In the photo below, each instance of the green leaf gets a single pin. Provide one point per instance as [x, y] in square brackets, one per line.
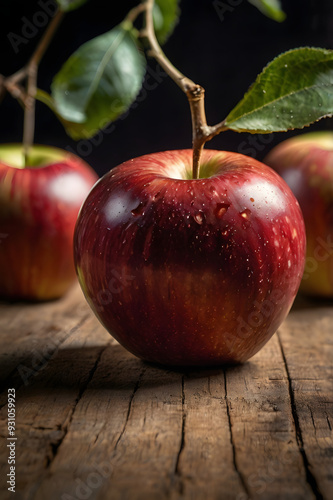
[294, 90]
[98, 82]
[45, 98]
[271, 8]
[67, 5]
[166, 14]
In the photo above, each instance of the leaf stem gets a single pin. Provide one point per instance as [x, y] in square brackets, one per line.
[201, 132]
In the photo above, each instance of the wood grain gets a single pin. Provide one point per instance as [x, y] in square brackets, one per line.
[94, 422]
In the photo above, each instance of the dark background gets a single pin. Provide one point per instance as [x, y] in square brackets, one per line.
[223, 55]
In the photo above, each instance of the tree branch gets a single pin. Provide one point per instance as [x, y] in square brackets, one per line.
[29, 72]
[156, 52]
[135, 12]
[3, 89]
[201, 132]
[46, 39]
[29, 111]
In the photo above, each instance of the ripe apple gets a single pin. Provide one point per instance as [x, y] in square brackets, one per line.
[39, 205]
[186, 271]
[306, 164]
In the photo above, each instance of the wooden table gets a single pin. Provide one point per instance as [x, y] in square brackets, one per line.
[94, 422]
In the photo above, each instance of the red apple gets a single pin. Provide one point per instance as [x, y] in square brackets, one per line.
[39, 205]
[306, 164]
[190, 272]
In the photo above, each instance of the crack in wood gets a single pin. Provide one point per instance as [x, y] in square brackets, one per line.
[177, 471]
[312, 419]
[299, 437]
[65, 428]
[10, 380]
[233, 446]
[135, 389]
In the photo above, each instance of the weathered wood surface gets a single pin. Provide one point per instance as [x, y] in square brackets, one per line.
[94, 422]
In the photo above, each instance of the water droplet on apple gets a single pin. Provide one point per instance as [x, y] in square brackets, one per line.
[199, 217]
[246, 214]
[221, 209]
[212, 190]
[139, 210]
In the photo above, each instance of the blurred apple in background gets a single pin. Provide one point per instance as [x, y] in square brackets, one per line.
[306, 163]
[39, 204]
[185, 271]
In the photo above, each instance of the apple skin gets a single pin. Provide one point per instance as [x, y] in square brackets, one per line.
[187, 272]
[38, 211]
[306, 164]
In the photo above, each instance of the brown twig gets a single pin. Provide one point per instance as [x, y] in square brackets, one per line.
[3, 89]
[28, 73]
[135, 12]
[31, 74]
[46, 39]
[201, 132]
[29, 111]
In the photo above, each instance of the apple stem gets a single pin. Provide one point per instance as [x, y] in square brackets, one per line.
[201, 132]
[196, 99]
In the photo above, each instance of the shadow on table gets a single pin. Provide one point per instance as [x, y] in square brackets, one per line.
[102, 367]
